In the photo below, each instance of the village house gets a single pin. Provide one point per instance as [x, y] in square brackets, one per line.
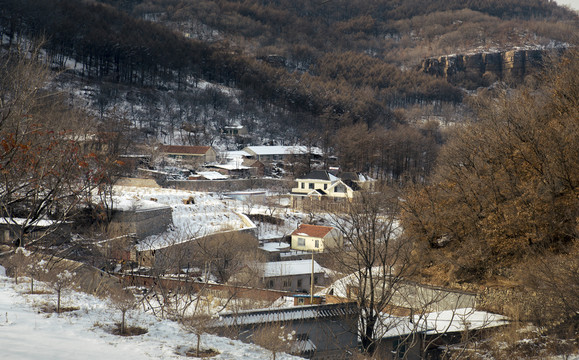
[49, 230]
[280, 153]
[315, 238]
[318, 331]
[202, 154]
[320, 186]
[292, 275]
[231, 170]
[234, 130]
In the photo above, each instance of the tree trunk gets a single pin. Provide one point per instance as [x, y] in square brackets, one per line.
[198, 343]
[58, 301]
[123, 323]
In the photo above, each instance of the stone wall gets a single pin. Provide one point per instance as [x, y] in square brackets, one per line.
[231, 185]
[142, 222]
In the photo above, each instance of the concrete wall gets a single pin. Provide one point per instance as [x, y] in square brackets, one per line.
[142, 223]
[231, 185]
[181, 255]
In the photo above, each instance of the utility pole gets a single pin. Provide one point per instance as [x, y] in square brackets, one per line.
[312, 281]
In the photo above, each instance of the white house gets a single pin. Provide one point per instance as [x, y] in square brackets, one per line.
[321, 185]
[315, 238]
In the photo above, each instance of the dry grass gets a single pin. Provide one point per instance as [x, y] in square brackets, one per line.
[192, 352]
[129, 330]
[49, 309]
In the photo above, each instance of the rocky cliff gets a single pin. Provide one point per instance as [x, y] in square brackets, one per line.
[514, 64]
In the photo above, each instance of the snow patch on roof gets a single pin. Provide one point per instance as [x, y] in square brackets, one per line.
[292, 267]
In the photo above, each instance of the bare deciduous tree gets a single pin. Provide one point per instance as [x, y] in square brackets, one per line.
[274, 337]
[124, 301]
[375, 257]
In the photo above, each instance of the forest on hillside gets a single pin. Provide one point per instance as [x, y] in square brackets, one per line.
[340, 75]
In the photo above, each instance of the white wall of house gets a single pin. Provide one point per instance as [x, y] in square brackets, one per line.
[309, 243]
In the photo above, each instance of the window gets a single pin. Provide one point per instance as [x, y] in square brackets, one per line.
[301, 242]
[287, 283]
[315, 280]
[303, 185]
[317, 245]
[311, 185]
[299, 287]
[302, 337]
[270, 284]
[325, 186]
[301, 301]
[399, 348]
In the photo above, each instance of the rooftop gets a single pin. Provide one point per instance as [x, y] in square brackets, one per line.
[312, 230]
[292, 267]
[320, 175]
[283, 150]
[287, 314]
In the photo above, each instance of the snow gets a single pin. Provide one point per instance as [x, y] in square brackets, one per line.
[208, 215]
[212, 175]
[292, 267]
[448, 321]
[274, 246]
[283, 150]
[22, 221]
[28, 334]
[460, 319]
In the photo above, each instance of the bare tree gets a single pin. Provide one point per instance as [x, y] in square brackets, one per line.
[124, 301]
[375, 257]
[59, 280]
[45, 168]
[274, 337]
[227, 253]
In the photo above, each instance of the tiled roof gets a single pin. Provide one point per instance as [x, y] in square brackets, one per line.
[312, 230]
[317, 175]
[287, 314]
[184, 149]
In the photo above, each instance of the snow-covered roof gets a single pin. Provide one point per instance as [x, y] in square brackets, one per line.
[292, 267]
[234, 155]
[448, 321]
[458, 320]
[408, 294]
[283, 150]
[274, 246]
[212, 175]
[231, 166]
[22, 221]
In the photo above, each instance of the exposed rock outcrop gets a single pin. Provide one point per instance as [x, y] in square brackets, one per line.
[514, 64]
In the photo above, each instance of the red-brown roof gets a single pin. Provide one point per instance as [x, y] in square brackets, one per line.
[312, 230]
[184, 149]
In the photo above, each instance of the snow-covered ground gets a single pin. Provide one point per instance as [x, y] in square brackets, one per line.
[207, 214]
[28, 334]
